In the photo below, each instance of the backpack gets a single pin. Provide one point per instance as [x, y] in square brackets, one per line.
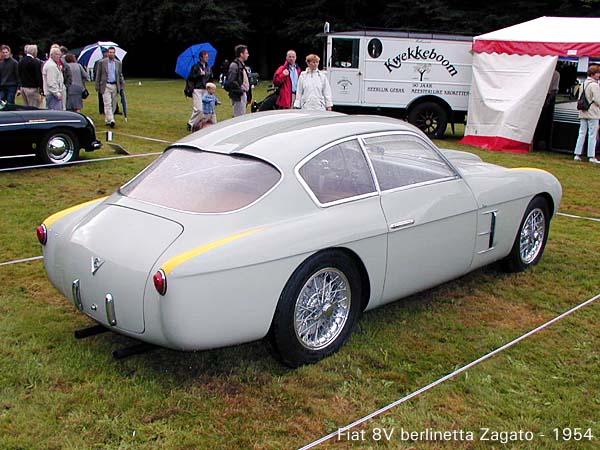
[234, 86]
[583, 104]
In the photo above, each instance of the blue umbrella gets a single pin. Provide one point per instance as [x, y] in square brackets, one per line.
[189, 57]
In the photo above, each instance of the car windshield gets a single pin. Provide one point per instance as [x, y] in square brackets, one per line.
[203, 182]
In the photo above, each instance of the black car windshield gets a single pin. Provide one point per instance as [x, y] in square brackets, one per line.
[202, 182]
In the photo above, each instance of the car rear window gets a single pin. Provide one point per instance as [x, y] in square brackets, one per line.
[203, 182]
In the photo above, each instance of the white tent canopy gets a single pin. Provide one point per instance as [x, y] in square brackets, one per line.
[512, 70]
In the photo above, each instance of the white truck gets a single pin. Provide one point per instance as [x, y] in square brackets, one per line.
[425, 78]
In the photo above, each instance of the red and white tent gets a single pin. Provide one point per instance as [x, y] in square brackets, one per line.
[512, 70]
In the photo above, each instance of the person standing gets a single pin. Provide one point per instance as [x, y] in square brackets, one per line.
[9, 76]
[238, 83]
[286, 79]
[65, 71]
[54, 84]
[109, 82]
[95, 76]
[200, 74]
[30, 74]
[78, 78]
[588, 120]
[314, 91]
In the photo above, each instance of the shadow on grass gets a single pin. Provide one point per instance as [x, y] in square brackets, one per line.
[256, 361]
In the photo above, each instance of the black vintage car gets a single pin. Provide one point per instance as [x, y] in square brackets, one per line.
[54, 136]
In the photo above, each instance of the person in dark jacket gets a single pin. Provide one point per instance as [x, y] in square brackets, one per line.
[238, 82]
[200, 74]
[9, 76]
[286, 79]
[30, 74]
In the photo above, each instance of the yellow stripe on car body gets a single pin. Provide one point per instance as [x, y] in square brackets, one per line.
[49, 221]
[172, 263]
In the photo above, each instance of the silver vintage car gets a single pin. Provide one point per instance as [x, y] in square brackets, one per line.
[289, 224]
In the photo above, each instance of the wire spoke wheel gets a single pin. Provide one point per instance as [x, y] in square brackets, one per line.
[530, 241]
[322, 308]
[317, 309]
[532, 236]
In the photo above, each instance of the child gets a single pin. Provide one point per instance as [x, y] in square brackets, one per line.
[209, 102]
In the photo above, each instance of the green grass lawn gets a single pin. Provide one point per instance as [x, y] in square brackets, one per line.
[59, 393]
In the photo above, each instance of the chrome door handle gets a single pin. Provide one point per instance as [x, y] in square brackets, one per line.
[402, 224]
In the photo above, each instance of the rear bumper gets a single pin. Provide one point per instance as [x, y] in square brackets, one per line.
[94, 145]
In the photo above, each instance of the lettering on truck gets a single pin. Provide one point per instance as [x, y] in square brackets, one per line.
[420, 54]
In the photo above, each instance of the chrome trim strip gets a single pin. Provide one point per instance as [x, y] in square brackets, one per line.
[486, 250]
[492, 230]
[396, 226]
[76, 290]
[363, 146]
[111, 317]
[38, 122]
[29, 155]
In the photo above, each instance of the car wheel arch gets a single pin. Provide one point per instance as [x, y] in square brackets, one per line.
[338, 257]
[353, 257]
[513, 262]
[549, 202]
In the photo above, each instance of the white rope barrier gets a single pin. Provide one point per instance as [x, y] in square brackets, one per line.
[578, 217]
[80, 161]
[143, 137]
[17, 261]
[449, 376]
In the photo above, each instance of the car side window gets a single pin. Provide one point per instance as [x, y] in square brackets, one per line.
[401, 160]
[337, 173]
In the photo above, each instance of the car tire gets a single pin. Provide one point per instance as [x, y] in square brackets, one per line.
[531, 237]
[430, 118]
[58, 147]
[317, 309]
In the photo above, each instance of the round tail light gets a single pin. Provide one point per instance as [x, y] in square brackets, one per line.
[42, 234]
[160, 282]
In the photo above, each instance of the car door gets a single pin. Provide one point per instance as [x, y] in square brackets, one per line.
[344, 71]
[430, 211]
[12, 134]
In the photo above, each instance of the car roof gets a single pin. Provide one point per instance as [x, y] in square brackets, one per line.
[287, 136]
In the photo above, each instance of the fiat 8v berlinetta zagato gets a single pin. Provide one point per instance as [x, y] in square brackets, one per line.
[289, 224]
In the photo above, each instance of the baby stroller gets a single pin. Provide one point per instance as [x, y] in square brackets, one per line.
[268, 103]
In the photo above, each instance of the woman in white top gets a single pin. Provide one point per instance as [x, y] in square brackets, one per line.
[588, 120]
[313, 91]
